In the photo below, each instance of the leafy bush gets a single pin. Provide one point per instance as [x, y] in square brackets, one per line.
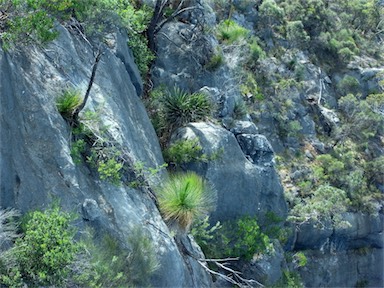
[110, 170]
[215, 62]
[229, 32]
[204, 233]
[112, 266]
[297, 34]
[256, 52]
[184, 151]
[27, 22]
[348, 85]
[68, 102]
[326, 204]
[244, 238]
[180, 108]
[241, 238]
[184, 198]
[47, 249]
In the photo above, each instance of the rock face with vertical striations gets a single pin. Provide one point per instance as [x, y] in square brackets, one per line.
[35, 163]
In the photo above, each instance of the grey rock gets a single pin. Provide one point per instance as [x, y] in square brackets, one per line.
[243, 188]
[35, 163]
[243, 127]
[344, 269]
[194, 52]
[91, 210]
[256, 147]
[268, 269]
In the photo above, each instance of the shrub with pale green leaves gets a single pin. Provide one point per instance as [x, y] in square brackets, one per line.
[44, 254]
[185, 151]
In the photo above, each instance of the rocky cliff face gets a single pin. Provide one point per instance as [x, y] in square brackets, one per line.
[36, 166]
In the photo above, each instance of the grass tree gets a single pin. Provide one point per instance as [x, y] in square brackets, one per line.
[184, 198]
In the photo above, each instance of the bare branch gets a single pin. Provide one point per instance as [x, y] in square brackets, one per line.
[90, 83]
[173, 16]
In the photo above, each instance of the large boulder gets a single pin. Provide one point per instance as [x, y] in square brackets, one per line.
[244, 186]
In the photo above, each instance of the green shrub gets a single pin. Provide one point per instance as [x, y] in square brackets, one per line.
[180, 108]
[240, 110]
[110, 170]
[204, 233]
[348, 85]
[184, 151]
[230, 32]
[289, 280]
[111, 265]
[77, 149]
[243, 238]
[326, 204]
[215, 62]
[47, 249]
[297, 34]
[68, 102]
[184, 198]
[256, 52]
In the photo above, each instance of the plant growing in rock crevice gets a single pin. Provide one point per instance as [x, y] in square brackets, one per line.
[184, 198]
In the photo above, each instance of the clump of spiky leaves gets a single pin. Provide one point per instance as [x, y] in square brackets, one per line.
[185, 197]
[68, 102]
[229, 31]
[180, 107]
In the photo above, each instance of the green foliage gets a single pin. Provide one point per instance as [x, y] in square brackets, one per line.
[110, 170]
[185, 151]
[112, 266]
[299, 259]
[240, 110]
[28, 22]
[68, 102]
[204, 233]
[229, 32]
[9, 271]
[184, 198]
[256, 52]
[241, 238]
[77, 149]
[290, 280]
[179, 107]
[144, 174]
[215, 62]
[348, 85]
[250, 89]
[271, 14]
[47, 249]
[326, 204]
[296, 34]
[142, 54]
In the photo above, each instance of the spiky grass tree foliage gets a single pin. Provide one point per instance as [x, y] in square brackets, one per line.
[68, 102]
[185, 197]
[180, 107]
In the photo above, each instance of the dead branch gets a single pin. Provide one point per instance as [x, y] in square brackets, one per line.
[90, 83]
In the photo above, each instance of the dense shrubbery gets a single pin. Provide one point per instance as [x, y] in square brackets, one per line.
[241, 238]
[46, 254]
[33, 22]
